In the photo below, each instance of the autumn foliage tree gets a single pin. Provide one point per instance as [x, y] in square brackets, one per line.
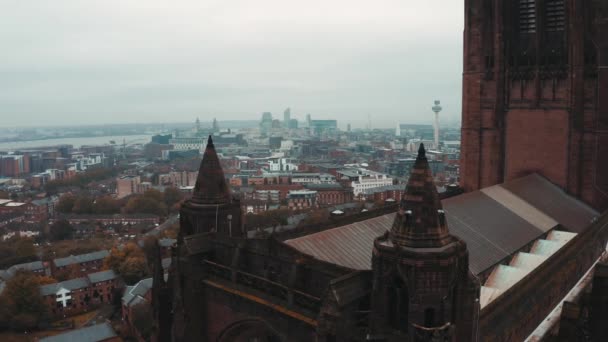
[16, 250]
[128, 261]
[106, 205]
[65, 203]
[21, 305]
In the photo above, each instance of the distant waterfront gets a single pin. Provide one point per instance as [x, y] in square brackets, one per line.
[76, 142]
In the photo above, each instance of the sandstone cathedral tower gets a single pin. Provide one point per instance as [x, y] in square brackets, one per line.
[535, 94]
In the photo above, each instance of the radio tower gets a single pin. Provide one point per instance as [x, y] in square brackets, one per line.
[436, 109]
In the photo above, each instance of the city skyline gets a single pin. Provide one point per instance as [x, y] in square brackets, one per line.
[128, 63]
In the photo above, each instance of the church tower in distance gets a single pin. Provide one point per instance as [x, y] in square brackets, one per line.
[422, 286]
[535, 94]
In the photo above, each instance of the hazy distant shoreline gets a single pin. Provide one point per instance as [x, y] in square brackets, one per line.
[75, 141]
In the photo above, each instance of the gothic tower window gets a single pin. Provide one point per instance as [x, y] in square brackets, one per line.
[527, 16]
[555, 11]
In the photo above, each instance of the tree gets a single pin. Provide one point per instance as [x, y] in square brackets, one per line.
[172, 196]
[130, 262]
[24, 247]
[61, 230]
[133, 269]
[83, 205]
[171, 232]
[66, 203]
[106, 205]
[145, 205]
[23, 306]
[114, 260]
[154, 194]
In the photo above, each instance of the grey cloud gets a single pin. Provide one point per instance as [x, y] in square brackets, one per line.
[131, 61]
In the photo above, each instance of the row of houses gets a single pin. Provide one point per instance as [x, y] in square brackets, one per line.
[76, 265]
[81, 294]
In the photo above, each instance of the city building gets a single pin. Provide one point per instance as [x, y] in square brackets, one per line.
[127, 185]
[112, 219]
[12, 165]
[188, 143]
[302, 199]
[384, 193]
[319, 127]
[161, 139]
[40, 210]
[138, 294]
[266, 123]
[282, 164]
[80, 265]
[36, 267]
[266, 196]
[312, 178]
[361, 179]
[535, 95]
[177, 178]
[286, 118]
[79, 295]
[329, 194]
[402, 167]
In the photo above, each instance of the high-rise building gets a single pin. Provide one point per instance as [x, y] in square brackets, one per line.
[12, 165]
[266, 123]
[216, 126]
[535, 94]
[286, 117]
[323, 126]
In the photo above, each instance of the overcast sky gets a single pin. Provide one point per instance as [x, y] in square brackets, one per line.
[124, 61]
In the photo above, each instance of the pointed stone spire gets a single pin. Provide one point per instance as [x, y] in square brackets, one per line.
[211, 186]
[420, 222]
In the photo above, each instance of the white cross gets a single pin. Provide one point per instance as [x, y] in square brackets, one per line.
[63, 296]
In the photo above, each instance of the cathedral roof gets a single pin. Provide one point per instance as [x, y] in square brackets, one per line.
[211, 186]
[420, 221]
[495, 223]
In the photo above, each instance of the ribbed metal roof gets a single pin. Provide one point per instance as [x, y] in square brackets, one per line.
[571, 213]
[494, 227]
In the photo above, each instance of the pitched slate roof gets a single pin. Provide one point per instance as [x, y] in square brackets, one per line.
[72, 284]
[76, 259]
[94, 333]
[102, 276]
[135, 294]
[29, 266]
[494, 224]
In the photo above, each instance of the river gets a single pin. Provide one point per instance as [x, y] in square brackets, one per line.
[76, 142]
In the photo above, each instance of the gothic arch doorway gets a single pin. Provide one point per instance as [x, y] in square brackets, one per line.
[250, 330]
